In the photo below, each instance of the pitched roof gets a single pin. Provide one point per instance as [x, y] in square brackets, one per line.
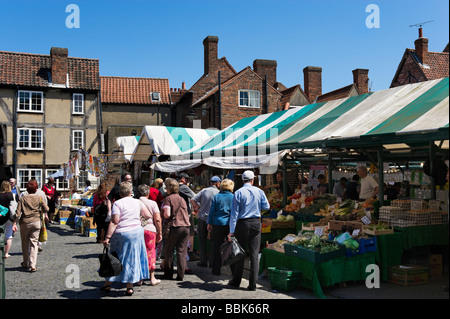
[33, 70]
[288, 93]
[340, 93]
[229, 81]
[437, 65]
[129, 90]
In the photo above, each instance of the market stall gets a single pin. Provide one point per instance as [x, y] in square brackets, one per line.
[394, 126]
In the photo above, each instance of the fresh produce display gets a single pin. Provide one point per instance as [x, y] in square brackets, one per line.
[315, 243]
[282, 218]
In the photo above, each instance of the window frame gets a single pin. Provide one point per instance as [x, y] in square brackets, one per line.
[73, 140]
[29, 147]
[155, 100]
[59, 183]
[30, 176]
[30, 101]
[74, 101]
[249, 99]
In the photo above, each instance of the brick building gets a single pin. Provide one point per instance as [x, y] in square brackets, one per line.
[49, 108]
[223, 96]
[419, 64]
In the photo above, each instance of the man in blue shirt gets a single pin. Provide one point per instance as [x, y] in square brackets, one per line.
[245, 225]
[202, 204]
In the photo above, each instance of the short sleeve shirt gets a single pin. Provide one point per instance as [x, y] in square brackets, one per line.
[129, 211]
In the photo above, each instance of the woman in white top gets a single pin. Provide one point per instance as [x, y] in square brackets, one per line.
[152, 230]
[126, 237]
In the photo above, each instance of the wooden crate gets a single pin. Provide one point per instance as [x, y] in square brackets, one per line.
[368, 231]
[408, 275]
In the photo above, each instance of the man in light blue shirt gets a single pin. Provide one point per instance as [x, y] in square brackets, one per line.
[245, 225]
[202, 204]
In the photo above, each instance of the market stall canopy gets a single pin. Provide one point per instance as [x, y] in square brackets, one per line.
[411, 113]
[266, 163]
[127, 144]
[165, 140]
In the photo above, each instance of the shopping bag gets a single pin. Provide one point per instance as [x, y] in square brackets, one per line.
[43, 233]
[4, 215]
[231, 252]
[110, 264]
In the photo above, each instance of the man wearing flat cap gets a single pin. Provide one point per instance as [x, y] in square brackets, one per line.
[245, 225]
[202, 203]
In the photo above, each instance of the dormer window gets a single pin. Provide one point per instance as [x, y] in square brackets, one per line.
[155, 96]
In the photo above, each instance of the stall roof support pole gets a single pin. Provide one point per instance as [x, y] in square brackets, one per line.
[380, 176]
[330, 174]
[432, 168]
[284, 181]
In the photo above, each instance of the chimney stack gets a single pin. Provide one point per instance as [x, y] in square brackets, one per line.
[266, 67]
[361, 80]
[422, 48]
[210, 53]
[58, 60]
[313, 82]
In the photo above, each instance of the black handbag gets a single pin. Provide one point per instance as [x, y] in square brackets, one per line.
[231, 252]
[110, 264]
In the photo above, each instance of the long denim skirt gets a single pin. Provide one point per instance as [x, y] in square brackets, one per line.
[130, 248]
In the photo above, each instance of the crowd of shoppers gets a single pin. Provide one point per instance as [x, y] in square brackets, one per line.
[134, 221]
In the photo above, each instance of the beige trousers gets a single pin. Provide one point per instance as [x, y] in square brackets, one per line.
[29, 235]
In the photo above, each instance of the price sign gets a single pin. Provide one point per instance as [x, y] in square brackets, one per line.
[416, 204]
[356, 232]
[318, 231]
[294, 201]
[303, 205]
[366, 220]
[434, 204]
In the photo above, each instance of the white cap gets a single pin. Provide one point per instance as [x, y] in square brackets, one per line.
[248, 175]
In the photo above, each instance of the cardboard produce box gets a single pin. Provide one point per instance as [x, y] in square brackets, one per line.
[408, 275]
[273, 223]
[64, 216]
[435, 265]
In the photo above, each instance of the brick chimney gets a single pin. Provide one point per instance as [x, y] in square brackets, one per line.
[210, 47]
[313, 82]
[58, 59]
[266, 67]
[422, 48]
[361, 80]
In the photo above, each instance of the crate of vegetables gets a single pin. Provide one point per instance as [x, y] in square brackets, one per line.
[314, 249]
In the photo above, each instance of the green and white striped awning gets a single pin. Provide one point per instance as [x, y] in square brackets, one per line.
[419, 112]
[165, 140]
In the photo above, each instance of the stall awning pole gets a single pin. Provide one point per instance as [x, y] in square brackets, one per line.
[284, 181]
[380, 176]
[432, 168]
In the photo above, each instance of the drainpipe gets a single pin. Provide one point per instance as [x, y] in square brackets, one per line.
[220, 103]
[15, 133]
[266, 95]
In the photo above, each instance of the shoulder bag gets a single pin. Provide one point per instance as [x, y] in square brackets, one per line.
[110, 264]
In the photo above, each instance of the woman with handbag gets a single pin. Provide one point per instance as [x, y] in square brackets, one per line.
[102, 214]
[219, 220]
[176, 234]
[28, 213]
[152, 230]
[7, 197]
[125, 236]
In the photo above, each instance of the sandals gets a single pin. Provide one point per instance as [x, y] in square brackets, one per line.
[33, 269]
[129, 292]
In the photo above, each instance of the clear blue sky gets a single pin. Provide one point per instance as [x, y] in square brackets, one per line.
[163, 38]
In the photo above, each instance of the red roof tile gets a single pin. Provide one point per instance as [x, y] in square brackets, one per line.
[128, 90]
[33, 70]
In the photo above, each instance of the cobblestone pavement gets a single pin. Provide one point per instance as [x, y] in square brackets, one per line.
[67, 253]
